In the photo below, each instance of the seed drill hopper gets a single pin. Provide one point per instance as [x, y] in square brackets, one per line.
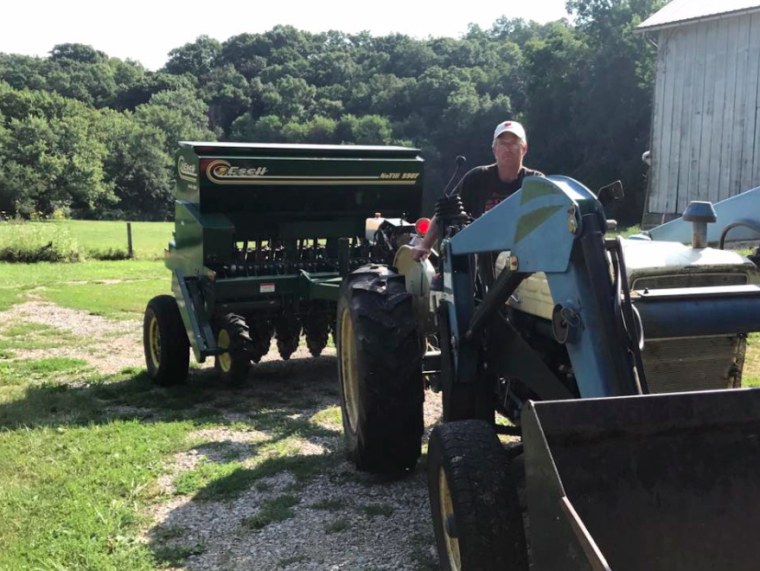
[263, 234]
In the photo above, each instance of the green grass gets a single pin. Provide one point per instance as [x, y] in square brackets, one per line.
[272, 511]
[373, 510]
[110, 288]
[71, 495]
[78, 476]
[22, 242]
[293, 560]
[329, 418]
[148, 238]
[337, 525]
[29, 336]
[212, 481]
[751, 376]
[329, 505]
[173, 555]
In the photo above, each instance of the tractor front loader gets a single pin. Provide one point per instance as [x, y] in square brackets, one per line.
[592, 412]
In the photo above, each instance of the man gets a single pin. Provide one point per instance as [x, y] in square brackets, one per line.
[484, 187]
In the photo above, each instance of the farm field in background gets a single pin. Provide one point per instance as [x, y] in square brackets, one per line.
[94, 237]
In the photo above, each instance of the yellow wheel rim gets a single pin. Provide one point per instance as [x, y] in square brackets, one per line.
[447, 514]
[154, 342]
[225, 359]
[348, 368]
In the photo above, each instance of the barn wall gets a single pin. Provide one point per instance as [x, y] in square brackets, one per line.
[706, 121]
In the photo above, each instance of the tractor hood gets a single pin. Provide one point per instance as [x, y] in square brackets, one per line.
[645, 255]
[672, 264]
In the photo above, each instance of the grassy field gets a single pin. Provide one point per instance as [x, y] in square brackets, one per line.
[113, 289]
[95, 239]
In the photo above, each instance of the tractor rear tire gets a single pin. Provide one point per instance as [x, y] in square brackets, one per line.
[380, 371]
[233, 335]
[167, 349]
[477, 516]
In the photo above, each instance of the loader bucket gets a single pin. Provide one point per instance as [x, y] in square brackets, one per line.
[666, 482]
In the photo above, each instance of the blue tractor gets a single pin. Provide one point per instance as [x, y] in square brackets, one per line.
[592, 410]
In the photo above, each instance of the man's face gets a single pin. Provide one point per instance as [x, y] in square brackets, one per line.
[509, 150]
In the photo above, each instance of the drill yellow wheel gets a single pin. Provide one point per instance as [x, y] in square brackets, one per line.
[167, 349]
[234, 339]
[225, 361]
[154, 342]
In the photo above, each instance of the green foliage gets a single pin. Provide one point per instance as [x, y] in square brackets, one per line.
[95, 136]
[374, 510]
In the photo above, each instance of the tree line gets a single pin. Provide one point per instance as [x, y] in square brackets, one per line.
[93, 136]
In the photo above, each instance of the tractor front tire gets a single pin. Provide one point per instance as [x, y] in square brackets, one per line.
[167, 349]
[233, 336]
[474, 500]
[380, 371]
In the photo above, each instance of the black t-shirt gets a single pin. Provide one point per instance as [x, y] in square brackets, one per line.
[481, 188]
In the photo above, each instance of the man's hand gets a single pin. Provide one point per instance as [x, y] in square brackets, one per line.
[420, 252]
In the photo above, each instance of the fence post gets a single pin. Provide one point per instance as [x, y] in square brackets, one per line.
[130, 252]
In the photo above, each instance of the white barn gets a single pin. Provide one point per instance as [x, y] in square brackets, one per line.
[705, 140]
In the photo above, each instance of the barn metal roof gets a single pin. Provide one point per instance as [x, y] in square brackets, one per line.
[680, 12]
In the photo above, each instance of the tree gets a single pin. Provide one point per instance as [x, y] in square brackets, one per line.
[50, 160]
[366, 130]
[179, 114]
[197, 58]
[139, 166]
[79, 53]
[227, 93]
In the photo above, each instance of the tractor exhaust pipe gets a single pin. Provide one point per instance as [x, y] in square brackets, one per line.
[700, 214]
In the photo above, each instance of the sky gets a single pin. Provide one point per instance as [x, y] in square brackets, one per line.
[146, 31]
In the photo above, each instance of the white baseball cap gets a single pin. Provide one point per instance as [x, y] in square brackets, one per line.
[510, 127]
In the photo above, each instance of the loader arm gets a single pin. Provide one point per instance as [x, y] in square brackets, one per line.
[553, 225]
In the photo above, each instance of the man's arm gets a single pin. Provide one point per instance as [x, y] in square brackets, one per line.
[422, 250]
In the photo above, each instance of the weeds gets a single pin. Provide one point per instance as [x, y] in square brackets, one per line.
[272, 511]
[337, 525]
